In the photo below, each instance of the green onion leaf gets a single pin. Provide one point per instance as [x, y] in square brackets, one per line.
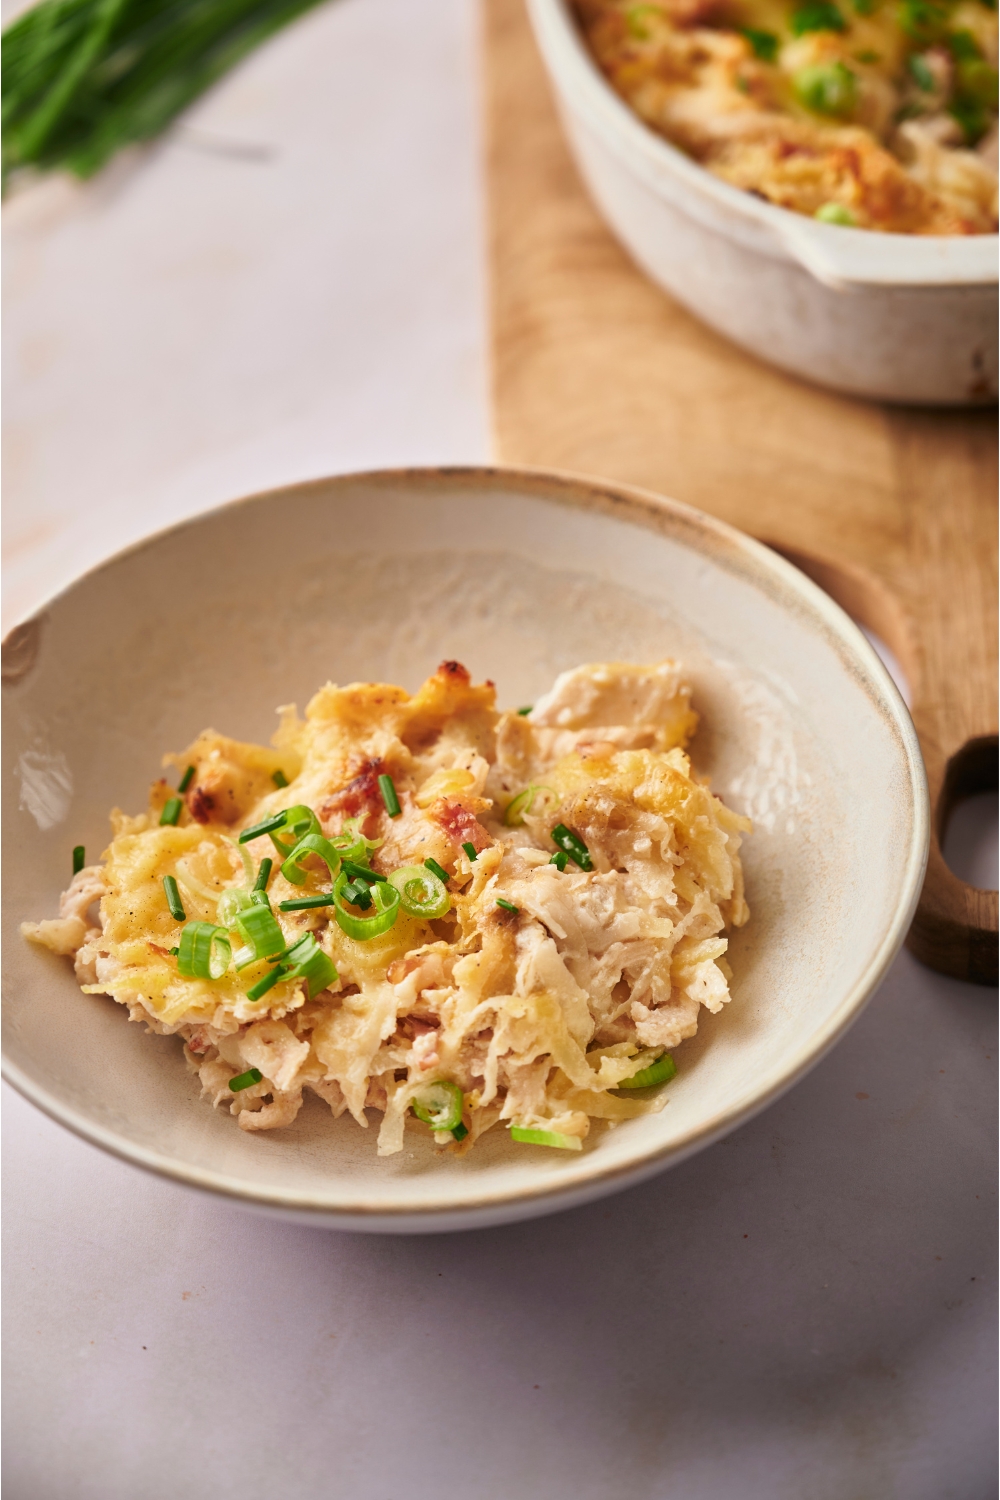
[817, 15]
[174, 899]
[205, 951]
[245, 1080]
[310, 963]
[303, 903]
[421, 893]
[387, 787]
[263, 874]
[437, 870]
[313, 843]
[460, 1132]
[268, 826]
[79, 858]
[921, 73]
[507, 905]
[470, 850]
[230, 904]
[532, 1137]
[171, 812]
[258, 927]
[835, 213]
[175, 951]
[361, 872]
[439, 1105]
[826, 89]
[260, 898]
[560, 859]
[527, 710]
[186, 780]
[519, 807]
[299, 821]
[764, 43]
[270, 979]
[280, 779]
[358, 894]
[385, 899]
[572, 845]
[660, 1071]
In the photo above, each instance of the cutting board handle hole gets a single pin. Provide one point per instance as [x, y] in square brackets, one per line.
[966, 813]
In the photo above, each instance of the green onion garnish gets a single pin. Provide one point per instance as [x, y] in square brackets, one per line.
[245, 1080]
[383, 896]
[764, 43]
[470, 850]
[387, 787]
[527, 710]
[270, 979]
[269, 825]
[175, 951]
[263, 874]
[560, 859]
[358, 894]
[174, 899]
[817, 15]
[258, 927]
[660, 1071]
[313, 843]
[171, 812]
[521, 805]
[532, 1137]
[507, 905]
[460, 1132]
[205, 951]
[361, 872]
[280, 779]
[439, 1105]
[436, 869]
[186, 780]
[311, 964]
[573, 845]
[303, 903]
[230, 904]
[79, 858]
[421, 893]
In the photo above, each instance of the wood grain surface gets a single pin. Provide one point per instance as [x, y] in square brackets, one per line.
[892, 510]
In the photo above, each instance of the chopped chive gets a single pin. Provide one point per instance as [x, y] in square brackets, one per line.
[270, 979]
[302, 903]
[79, 858]
[436, 869]
[174, 899]
[358, 894]
[175, 951]
[470, 850]
[186, 779]
[171, 812]
[460, 1132]
[361, 872]
[560, 859]
[387, 787]
[245, 1080]
[573, 845]
[523, 711]
[263, 874]
[280, 779]
[269, 825]
[507, 905]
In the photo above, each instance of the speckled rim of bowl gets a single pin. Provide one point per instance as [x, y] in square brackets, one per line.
[740, 554]
[837, 256]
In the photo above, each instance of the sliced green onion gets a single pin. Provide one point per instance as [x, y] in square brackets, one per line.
[763, 43]
[385, 898]
[174, 901]
[835, 213]
[171, 812]
[527, 710]
[660, 1071]
[186, 780]
[351, 829]
[280, 779]
[79, 858]
[439, 1105]
[175, 951]
[270, 979]
[560, 859]
[258, 927]
[507, 905]
[361, 872]
[268, 825]
[572, 845]
[519, 806]
[313, 843]
[311, 964]
[921, 73]
[260, 898]
[263, 874]
[460, 1132]
[230, 904]
[532, 1137]
[303, 903]
[421, 893]
[299, 821]
[358, 894]
[470, 850]
[388, 789]
[436, 869]
[817, 15]
[826, 89]
[205, 951]
[245, 1080]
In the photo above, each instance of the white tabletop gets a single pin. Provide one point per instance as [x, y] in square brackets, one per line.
[293, 284]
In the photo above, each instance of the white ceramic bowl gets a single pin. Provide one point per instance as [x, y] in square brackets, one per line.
[898, 317]
[520, 576]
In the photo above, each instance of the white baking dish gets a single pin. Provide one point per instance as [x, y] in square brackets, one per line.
[898, 317]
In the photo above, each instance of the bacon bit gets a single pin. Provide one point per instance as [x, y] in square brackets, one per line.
[401, 967]
[454, 669]
[201, 804]
[164, 952]
[461, 826]
[360, 795]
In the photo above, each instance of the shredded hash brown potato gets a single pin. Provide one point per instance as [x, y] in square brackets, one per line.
[876, 114]
[537, 1015]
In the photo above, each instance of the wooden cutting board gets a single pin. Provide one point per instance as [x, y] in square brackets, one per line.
[892, 510]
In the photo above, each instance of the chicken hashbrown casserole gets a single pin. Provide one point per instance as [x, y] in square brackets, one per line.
[877, 114]
[426, 907]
